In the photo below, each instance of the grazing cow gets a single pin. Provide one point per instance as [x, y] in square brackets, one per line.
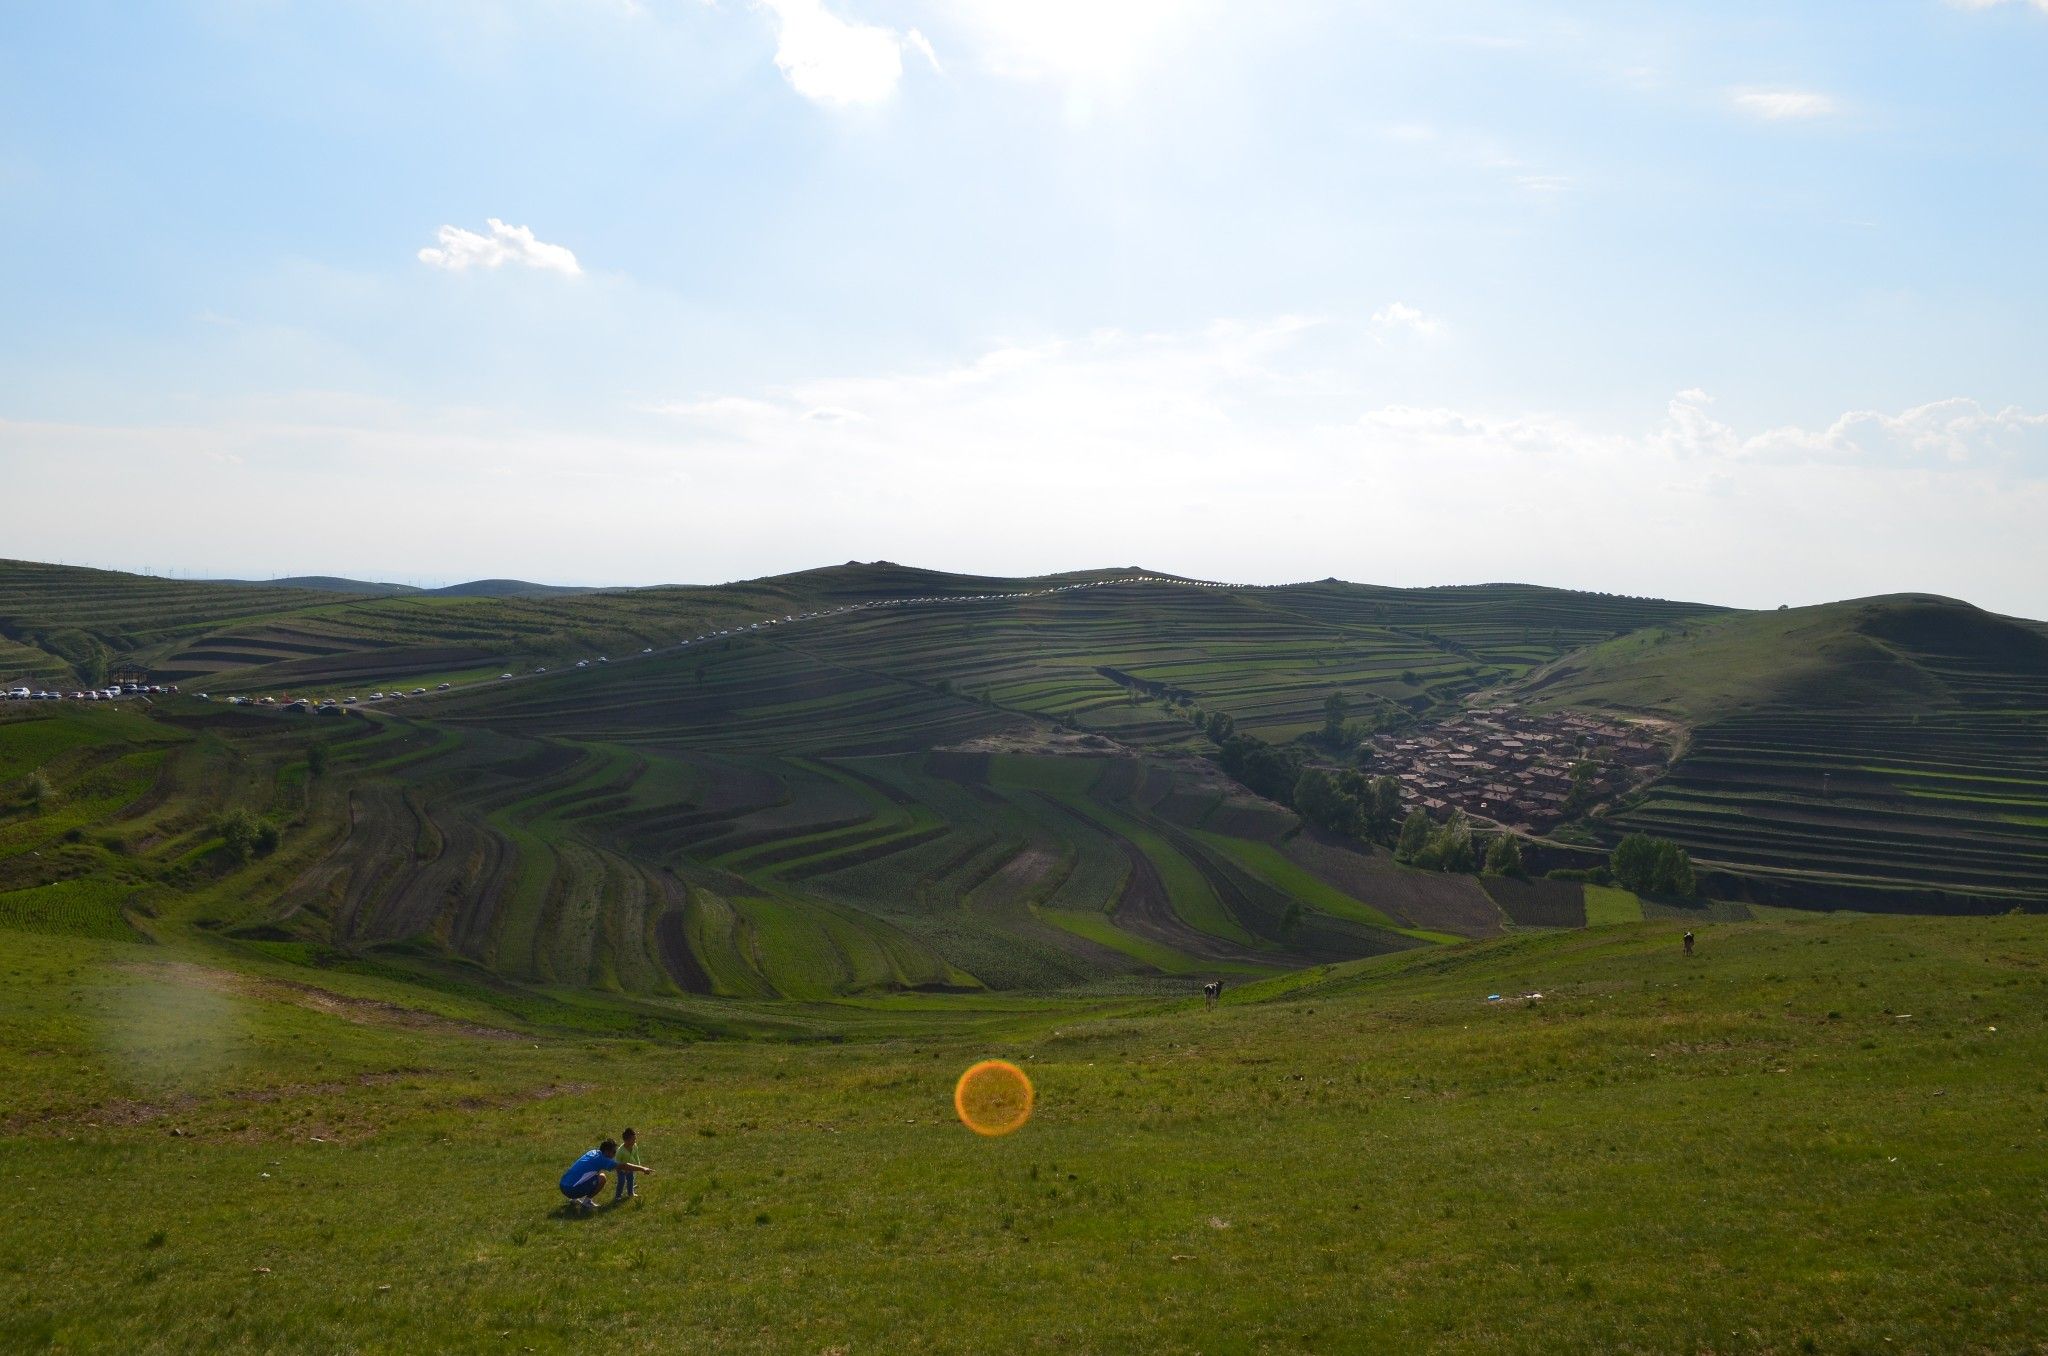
[1212, 991]
[1688, 943]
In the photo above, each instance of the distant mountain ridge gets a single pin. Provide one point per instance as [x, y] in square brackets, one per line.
[475, 588]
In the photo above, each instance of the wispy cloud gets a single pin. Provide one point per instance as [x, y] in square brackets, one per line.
[1076, 42]
[460, 249]
[1250, 423]
[1783, 105]
[2041, 5]
[839, 62]
[1398, 317]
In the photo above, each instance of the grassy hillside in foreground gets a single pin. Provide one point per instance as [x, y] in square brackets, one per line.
[1900, 743]
[1821, 1135]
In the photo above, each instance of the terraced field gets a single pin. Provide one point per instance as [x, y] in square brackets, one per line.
[639, 871]
[875, 780]
[1898, 747]
[57, 622]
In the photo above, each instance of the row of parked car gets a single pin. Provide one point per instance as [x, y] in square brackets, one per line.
[90, 694]
[291, 703]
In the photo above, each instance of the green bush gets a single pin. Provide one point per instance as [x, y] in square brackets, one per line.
[1504, 856]
[246, 835]
[1654, 866]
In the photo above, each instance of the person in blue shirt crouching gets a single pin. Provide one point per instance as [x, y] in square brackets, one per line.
[586, 1176]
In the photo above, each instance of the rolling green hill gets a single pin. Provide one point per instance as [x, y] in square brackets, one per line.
[868, 778]
[1897, 742]
[877, 779]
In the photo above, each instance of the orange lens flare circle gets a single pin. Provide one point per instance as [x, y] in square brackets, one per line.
[993, 1098]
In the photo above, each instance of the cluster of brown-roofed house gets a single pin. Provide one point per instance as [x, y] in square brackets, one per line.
[1514, 767]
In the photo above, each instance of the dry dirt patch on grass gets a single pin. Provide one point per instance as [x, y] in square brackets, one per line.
[371, 1011]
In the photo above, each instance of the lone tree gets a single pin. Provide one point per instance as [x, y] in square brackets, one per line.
[1450, 847]
[1386, 807]
[1334, 711]
[245, 835]
[1415, 831]
[1655, 866]
[1504, 856]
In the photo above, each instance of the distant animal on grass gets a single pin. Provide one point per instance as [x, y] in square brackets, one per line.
[1688, 943]
[1214, 989]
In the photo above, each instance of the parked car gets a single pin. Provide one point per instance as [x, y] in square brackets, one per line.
[503, 676]
[444, 687]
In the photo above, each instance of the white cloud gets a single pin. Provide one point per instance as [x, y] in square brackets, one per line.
[1197, 426]
[1783, 105]
[920, 44]
[1107, 447]
[836, 61]
[460, 249]
[1397, 316]
[2041, 5]
[1957, 432]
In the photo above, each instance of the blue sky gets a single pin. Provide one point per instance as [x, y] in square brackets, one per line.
[1733, 301]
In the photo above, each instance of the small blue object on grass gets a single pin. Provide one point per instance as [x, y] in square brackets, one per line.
[1493, 998]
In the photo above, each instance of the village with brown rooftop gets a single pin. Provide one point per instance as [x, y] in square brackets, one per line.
[1514, 767]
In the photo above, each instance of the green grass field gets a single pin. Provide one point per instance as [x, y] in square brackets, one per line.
[1822, 1134]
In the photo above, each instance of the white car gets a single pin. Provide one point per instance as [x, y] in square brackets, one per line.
[581, 664]
[650, 649]
[444, 687]
[503, 676]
